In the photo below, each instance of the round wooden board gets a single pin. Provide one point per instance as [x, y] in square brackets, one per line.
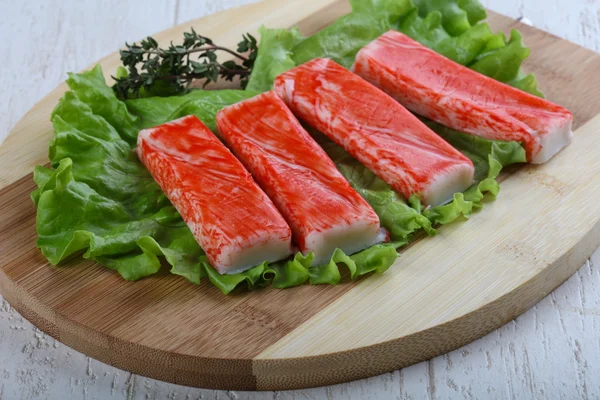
[444, 292]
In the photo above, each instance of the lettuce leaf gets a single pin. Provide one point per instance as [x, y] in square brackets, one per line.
[501, 60]
[450, 27]
[274, 56]
[457, 16]
[429, 31]
[205, 104]
[342, 39]
[100, 200]
[92, 89]
[101, 158]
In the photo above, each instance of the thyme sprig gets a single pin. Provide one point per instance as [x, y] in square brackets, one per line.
[173, 69]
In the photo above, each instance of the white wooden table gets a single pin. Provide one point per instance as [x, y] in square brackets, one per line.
[552, 351]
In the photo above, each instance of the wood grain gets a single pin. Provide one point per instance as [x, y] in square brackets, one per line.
[489, 271]
[198, 370]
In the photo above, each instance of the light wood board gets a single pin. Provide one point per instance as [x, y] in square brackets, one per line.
[444, 291]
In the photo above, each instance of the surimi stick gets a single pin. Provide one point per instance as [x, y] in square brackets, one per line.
[321, 207]
[436, 87]
[376, 130]
[232, 219]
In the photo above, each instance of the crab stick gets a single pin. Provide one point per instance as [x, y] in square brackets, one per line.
[376, 130]
[431, 85]
[321, 207]
[232, 219]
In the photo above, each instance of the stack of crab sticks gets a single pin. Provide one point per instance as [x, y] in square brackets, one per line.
[269, 189]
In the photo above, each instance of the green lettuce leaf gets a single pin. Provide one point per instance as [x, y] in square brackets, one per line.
[99, 200]
[274, 56]
[91, 88]
[101, 158]
[429, 31]
[205, 104]
[341, 40]
[41, 177]
[458, 16]
[450, 27]
[291, 273]
[502, 59]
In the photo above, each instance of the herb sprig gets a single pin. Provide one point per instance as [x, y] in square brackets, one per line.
[172, 70]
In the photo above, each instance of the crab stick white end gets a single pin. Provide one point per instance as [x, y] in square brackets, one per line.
[555, 139]
[350, 239]
[245, 253]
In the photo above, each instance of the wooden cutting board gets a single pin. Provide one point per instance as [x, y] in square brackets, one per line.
[444, 291]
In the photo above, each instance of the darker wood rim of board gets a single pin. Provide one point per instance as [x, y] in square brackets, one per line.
[303, 372]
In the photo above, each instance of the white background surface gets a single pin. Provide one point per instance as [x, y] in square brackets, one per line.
[552, 351]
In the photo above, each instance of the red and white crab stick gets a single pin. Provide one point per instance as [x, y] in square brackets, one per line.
[376, 130]
[436, 87]
[321, 207]
[232, 219]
